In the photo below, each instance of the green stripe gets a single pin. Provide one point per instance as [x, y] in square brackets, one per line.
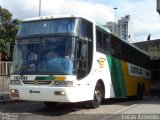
[44, 78]
[117, 76]
[121, 77]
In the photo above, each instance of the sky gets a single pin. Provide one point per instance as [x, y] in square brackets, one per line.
[143, 12]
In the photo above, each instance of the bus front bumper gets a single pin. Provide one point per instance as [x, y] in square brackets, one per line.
[50, 94]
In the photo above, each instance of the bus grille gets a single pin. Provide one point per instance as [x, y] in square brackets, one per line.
[37, 82]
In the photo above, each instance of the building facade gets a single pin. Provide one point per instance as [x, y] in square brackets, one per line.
[153, 49]
[124, 28]
[111, 26]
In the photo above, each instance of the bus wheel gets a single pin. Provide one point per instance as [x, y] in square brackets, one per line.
[98, 95]
[139, 95]
[50, 104]
[142, 91]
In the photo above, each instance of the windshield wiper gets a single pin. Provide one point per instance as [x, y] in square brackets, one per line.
[23, 68]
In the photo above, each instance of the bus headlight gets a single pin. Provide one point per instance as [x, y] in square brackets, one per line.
[14, 93]
[63, 83]
[15, 82]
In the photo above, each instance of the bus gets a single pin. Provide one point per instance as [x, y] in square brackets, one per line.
[72, 59]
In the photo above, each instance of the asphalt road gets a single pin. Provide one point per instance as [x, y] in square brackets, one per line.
[111, 109]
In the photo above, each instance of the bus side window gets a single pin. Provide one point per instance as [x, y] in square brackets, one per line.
[82, 56]
[116, 47]
[106, 42]
[99, 40]
[86, 29]
[78, 50]
[82, 50]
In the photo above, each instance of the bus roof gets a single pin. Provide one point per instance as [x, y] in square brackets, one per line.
[57, 17]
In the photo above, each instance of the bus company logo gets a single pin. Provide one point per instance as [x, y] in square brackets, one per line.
[101, 62]
[31, 91]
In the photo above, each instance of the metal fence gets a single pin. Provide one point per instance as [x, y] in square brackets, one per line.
[5, 68]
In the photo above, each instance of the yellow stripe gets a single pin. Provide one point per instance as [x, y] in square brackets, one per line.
[131, 82]
[60, 78]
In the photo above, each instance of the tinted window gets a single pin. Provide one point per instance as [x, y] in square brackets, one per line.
[86, 29]
[116, 46]
[99, 40]
[48, 26]
[106, 43]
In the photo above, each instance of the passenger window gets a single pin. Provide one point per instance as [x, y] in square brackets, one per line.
[82, 59]
[106, 42]
[99, 40]
[82, 50]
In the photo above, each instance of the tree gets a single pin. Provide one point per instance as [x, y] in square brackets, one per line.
[8, 31]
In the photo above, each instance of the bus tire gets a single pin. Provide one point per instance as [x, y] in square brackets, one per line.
[143, 91]
[139, 94]
[98, 96]
[50, 104]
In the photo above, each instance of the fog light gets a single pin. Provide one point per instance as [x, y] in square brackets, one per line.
[14, 91]
[60, 93]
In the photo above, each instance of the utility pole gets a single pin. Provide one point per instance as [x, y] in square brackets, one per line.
[149, 45]
[39, 7]
[0, 19]
[115, 13]
[115, 19]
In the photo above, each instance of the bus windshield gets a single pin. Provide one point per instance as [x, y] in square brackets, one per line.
[48, 26]
[49, 55]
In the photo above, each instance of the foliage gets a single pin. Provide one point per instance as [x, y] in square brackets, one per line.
[8, 30]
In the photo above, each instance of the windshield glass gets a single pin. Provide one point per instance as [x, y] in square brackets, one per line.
[26, 55]
[48, 26]
[52, 55]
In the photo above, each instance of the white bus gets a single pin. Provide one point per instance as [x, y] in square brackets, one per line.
[72, 59]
